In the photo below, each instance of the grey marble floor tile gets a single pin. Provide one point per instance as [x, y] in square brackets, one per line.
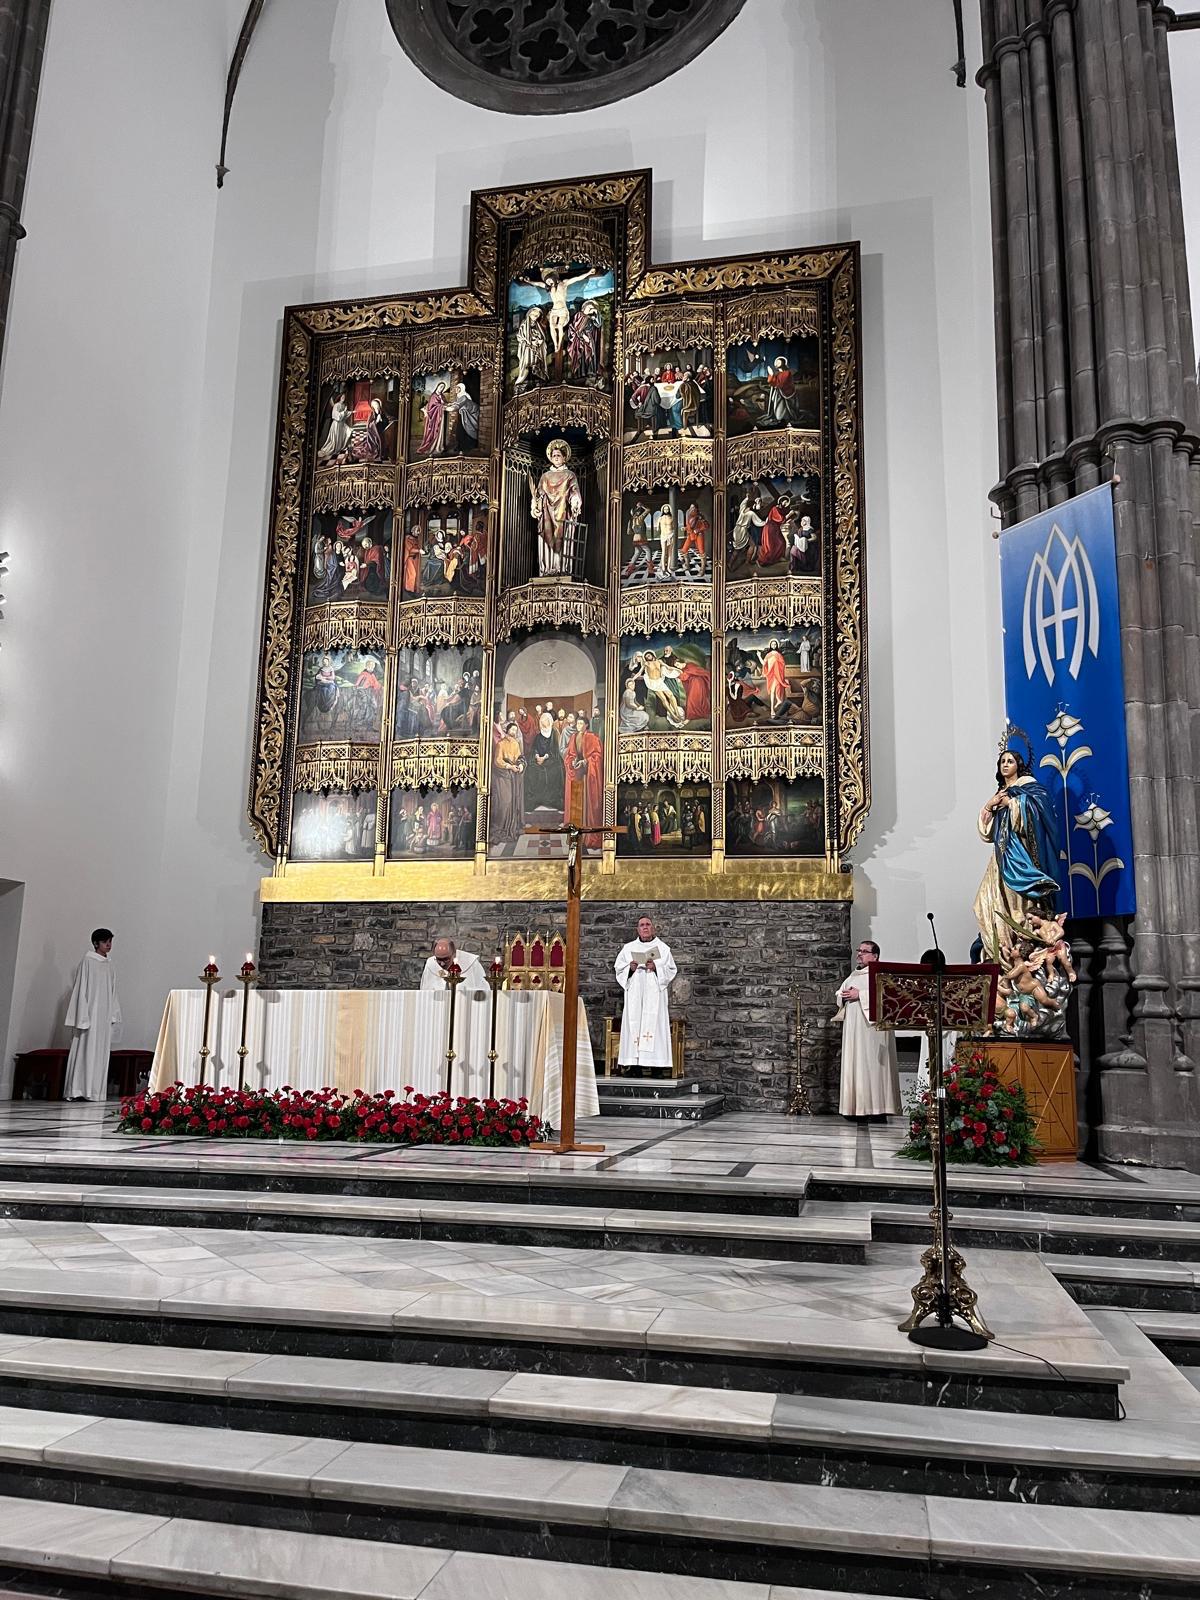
[753, 1510]
[481, 1577]
[270, 1562]
[520, 1486]
[153, 1366]
[1136, 1543]
[205, 1455]
[79, 1539]
[25, 1434]
[732, 1412]
[378, 1384]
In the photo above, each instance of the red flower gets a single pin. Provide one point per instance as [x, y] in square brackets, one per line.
[978, 1141]
[146, 1124]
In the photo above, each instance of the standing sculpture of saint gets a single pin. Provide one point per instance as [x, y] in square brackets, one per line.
[1019, 823]
[556, 502]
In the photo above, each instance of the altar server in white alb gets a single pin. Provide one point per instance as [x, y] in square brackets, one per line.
[870, 1080]
[445, 955]
[645, 970]
[94, 1017]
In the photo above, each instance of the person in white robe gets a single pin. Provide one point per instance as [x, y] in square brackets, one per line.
[645, 969]
[446, 954]
[870, 1079]
[94, 1016]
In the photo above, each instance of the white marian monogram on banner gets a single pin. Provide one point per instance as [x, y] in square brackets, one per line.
[1046, 614]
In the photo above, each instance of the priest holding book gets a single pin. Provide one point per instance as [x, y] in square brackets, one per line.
[645, 969]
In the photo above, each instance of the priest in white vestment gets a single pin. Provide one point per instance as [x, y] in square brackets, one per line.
[94, 1016]
[645, 969]
[870, 1079]
[445, 955]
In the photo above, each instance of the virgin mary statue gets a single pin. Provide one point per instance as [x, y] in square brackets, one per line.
[1020, 825]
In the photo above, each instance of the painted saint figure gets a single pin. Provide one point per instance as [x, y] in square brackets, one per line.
[544, 777]
[508, 787]
[533, 350]
[433, 439]
[774, 671]
[556, 286]
[585, 344]
[556, 502]
[783, 409]
[462, 421]
[337, 435]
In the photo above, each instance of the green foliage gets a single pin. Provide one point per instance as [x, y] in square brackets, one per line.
[988, 1123]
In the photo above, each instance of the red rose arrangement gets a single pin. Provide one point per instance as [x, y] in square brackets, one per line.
[988, 1122]
[309, 1114]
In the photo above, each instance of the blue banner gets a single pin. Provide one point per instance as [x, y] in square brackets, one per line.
[1065, 689]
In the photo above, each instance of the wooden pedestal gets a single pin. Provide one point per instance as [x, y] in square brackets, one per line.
[1046, 1072]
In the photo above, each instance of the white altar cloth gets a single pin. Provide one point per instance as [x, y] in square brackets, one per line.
[377, 1039]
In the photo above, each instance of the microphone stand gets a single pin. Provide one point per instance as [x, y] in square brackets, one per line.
[951, 1291]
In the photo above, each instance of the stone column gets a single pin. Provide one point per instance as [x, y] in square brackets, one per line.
[22, 41]
[1096, 377]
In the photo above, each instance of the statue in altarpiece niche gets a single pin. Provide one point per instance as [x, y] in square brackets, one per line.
[556, 504]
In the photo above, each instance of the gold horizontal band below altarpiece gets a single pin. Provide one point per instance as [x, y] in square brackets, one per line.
[646, 881]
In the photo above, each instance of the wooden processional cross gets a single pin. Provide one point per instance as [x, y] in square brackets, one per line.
[574, 831]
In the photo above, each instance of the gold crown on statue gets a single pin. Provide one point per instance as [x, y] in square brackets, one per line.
[1011, 732]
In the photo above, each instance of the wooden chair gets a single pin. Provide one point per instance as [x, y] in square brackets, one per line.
[612, 1048]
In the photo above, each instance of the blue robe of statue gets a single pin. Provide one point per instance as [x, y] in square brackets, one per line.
[1027, 852]
[1020, 876]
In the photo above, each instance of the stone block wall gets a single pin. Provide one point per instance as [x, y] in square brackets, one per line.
[740, 965]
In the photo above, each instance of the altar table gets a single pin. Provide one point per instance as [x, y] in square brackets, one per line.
[376, 1039]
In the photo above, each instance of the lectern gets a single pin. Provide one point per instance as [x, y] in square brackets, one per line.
[933, 998]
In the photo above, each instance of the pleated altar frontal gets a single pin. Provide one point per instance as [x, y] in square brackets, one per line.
[377, 1039]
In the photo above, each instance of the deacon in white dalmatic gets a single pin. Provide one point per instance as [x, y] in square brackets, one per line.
[870, 1081]
[645, 969]
[445, 955]
[94, 1017]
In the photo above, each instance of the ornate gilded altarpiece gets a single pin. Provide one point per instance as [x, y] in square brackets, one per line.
[587, 531]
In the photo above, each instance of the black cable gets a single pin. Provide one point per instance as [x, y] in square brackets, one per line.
[1057, 1371]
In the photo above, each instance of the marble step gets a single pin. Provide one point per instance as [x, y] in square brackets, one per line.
[425, 1174]
[1175, 1333]
[674, 1108]
[795, 1238]
[115, 1549]
[1174, 1199]
[1133, 1238]
[1148, 1464]
[782, 1353]
[647, 1088]
[1132, 1285]
[606, 1516]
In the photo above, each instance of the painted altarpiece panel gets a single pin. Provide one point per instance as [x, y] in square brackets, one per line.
[549, 465]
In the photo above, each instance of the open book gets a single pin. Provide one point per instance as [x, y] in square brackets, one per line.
[639, 958]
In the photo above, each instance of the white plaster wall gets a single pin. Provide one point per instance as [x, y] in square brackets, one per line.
[126, 743]
[103, 371]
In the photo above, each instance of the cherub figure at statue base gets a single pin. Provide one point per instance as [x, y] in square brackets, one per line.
[1033, 990]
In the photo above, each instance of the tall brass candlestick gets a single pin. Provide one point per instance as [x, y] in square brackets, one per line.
[208, 978]
[246, 977]
[798, 1102]
[453, 976]
[495, 977]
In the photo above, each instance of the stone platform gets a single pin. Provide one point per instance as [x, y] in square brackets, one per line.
[237, 1368]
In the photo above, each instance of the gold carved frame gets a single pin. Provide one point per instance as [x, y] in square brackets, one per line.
[810, 290]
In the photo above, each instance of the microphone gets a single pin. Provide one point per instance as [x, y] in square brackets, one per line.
[941, 961]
